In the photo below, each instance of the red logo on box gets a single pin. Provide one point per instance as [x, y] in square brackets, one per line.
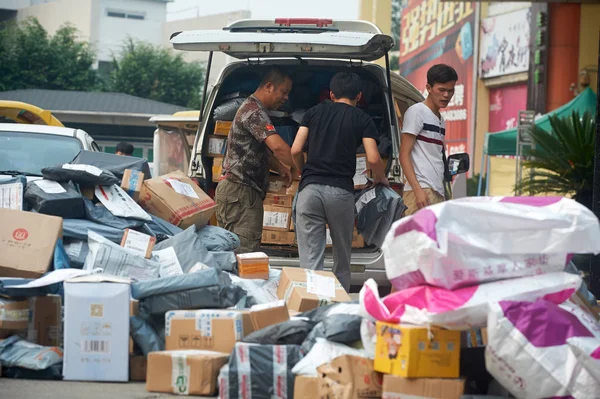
[20, 234]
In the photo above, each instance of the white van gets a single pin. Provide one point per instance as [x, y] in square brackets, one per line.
[312, 51]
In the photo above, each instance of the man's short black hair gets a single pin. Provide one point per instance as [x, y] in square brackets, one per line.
[125, 148]
[441, 73]
[276, 76]
[345, 85]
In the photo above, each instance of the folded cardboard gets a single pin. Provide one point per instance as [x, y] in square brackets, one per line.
[96, 328]
[278, 237]
[45, 320]
[349, 377]
[279, 200]
[140, 243]
[265, 315]
[362, 172]
[177, 199]
[132, 183]
[14, 314]
[277, 218]
[215, 330]
[27, 242]
[138, 366]
[304, 289]
[357, 240]
[217, 169]
[277, 185]
[395, 387]
[416, 352]
[306, 387]
[253, 265]
[222, 128]
[215, 146]
[188, 372]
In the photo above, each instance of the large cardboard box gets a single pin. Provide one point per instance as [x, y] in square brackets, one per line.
[45, 320]
[254, 265]
[27, 242]
[185, 372]
[222, 128]
[132, 183]
[304, 289]
[215, 146]
[432, 388]
[214, 330]
[416, 352]
[279, 200]
[277, 185]
[277, 218]
[217, 169]
[349, 377]
[293, 188]
[306, 387]
[14, 314]
[278, 237]
[267, 314]
[138, 366]
[97, 311]
[177, 199]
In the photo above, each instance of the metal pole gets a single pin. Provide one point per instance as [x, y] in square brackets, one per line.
[488, 169]
[595, 262]
[480, 174]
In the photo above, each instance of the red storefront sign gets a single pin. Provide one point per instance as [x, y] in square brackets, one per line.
[505, 104]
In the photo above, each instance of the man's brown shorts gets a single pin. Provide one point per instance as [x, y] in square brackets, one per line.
[411, 201]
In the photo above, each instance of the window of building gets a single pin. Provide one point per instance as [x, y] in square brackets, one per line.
[126, 14]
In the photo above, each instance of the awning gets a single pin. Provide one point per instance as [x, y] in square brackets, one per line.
[505, 142]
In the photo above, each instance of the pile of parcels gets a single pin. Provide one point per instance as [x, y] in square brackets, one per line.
[137, 287]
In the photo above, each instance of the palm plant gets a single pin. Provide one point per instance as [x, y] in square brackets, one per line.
[563, 158]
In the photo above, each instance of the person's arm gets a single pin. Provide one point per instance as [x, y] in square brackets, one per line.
[408, 138]
[278, 167]
[260, 126]
[297, 147]
[281, 150]
[374, 160]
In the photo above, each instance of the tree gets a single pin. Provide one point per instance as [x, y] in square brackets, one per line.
[155, 73]
[396, 18]
[563, 158]
[33, 59]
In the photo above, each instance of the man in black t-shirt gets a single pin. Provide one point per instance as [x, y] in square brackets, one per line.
[333, 132]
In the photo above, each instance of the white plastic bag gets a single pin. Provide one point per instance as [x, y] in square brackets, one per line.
[263, 291]
[323, 352]
[119, 203]
[473, 240]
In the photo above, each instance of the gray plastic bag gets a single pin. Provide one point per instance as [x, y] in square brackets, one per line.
[78, 229]
[77, 251]
[377, 209]
[144, 335]
[99, 214]
[291, 332]
[218, 239]
[16, 352]
[182, 282]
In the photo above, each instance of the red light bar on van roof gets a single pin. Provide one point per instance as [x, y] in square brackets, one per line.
[320, 23]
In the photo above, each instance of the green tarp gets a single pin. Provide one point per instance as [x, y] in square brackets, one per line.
[505, 142]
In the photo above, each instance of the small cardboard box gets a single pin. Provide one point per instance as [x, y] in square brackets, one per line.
[349, 377]
[215, 330]
[279, 200]
[222, 128]
[304, 289]
[277, 185]
[138, 366]
[306, 387]
[140, 243]
[14, 314]
[45, 320]
[27, 242]
[254, 265]
[278, 237]
[357, 240]
[411, 352]
[132, 183]
[362, 172]
[215, 146]
[434, 388]
[293, 188]
[177, 199]
[185, 372]
[97, 328]
[268, 314]
[217, 169]
[277, 218]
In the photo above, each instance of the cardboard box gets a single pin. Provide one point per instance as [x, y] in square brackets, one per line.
[278, 237]
[279, 200]
[268, 314]
[411, 352]
[138, 366]
[277, 218]
[88, 192]
[222, 128]
[293, 188]
[27, 242]
[434, 388]
[132, 183]
[217, 169]
[349, 377]
[97, 311]
[254, 265]
[357, 240]
[177, 199]
[134, 310]
[306, 387]
[215, 146]
[362, 172]
[304, 289]
[277, 185]
[185, 372]
[11, 196]
[140, 243]
[14, 314]
[215, 330]
[45, 320]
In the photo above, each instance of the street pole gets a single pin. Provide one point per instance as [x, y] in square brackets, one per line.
[595, 263]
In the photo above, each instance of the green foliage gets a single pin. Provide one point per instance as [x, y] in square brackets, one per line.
[396, 17]
[33, 59]
[155, 73]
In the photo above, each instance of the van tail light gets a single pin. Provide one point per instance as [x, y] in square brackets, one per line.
[320, 23]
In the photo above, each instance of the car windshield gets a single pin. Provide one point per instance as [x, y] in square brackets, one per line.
[29, 153]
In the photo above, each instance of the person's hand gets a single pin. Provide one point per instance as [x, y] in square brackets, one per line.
[295, 173]
[383, 181]
[421, 198]
[287, 175]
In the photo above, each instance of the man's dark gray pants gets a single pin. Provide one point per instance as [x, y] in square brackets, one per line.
[316, 206]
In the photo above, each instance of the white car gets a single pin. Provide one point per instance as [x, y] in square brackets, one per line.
[26, 148]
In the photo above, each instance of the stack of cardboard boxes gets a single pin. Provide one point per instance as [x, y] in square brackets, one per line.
[216, 146]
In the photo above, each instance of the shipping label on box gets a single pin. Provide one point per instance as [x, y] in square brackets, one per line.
[11, 196]
[139, 243]
[14, 314]
[395, 387]
[304, 289]
[277, 185]
[362, 172]
[132, 183]
[414, 352]
[45, 320]
[215, 146]
[119, 203]
[278, 200]
[277, 218]
[278, 237]
[222, 128]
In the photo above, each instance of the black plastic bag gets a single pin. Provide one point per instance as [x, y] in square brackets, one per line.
[86, 175]
[43, 196]
[292, 332]
[51, 373]
[116, 164]
[99, 214]
[227, 109]
[340, 328]
[144, 335]
[7, 282]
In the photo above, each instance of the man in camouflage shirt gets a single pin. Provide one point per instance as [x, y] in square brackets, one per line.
[253, 147]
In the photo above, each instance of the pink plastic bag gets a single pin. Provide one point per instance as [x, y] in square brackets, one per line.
[464, 308]
[474, 240]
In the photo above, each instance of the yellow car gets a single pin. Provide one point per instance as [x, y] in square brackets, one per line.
[19, 112]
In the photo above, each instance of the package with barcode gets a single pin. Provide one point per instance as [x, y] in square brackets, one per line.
[277, 218]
